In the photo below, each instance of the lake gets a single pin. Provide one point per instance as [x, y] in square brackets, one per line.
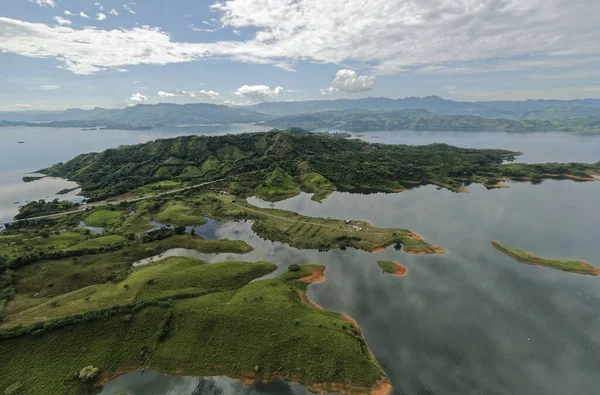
[472, 321]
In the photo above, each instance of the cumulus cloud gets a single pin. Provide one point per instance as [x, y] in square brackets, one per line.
[44, 3]
[128, 8]
[62, 21]
[49, 87]
[101, 16]
[84, 15]
[114, 12]
[100, 6]
[138, 97]
[258, 92]
[67, 12]
[393, 36]
[348, 81]
[210, 94]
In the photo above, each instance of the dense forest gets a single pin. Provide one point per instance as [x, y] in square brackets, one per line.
[347, 164]
[364, 120]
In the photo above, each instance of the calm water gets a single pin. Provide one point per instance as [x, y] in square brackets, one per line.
[470, 322]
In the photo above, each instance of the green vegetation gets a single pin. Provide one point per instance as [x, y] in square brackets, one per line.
[365, 120]
[567, 265]
[104, 218]
[278, 185]
[217, 323]
[32, 178]
[66, 190]
[41, 208]
[157, 187]
[276, 163]
[318, 185]
[179, 214]
[392, 267]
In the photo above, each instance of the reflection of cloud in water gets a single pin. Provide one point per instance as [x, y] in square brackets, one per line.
[152, 383]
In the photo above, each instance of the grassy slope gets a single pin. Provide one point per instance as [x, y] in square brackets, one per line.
[178, 213]
[265, 329]
[567, 265]
[387, 266]
[278, 185]
[14, 245]
[318, 185]
[98, 242]
[51, 278]
[172, 276]
[103, 218]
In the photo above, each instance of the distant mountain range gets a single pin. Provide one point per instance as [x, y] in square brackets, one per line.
[431, 113]
[528, 109]
[143, 114]
[366, 120]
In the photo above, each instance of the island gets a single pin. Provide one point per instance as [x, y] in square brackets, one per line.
[279, 164]
[567, 265]
[392, 267]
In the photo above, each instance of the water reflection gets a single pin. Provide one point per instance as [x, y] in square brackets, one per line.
[152, 383]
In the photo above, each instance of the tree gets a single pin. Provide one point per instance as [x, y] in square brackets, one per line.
[88, 373]
[179, 230]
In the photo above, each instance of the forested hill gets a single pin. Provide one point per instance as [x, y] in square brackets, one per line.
[294, 156]
[364, 120]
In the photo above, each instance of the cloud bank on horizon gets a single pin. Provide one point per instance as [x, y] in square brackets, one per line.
[365, 41]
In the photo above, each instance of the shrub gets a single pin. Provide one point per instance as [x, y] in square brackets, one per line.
[294, 267]
[88, 373]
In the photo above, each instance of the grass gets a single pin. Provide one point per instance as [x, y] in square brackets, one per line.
[278, 185]
[179, 214]
[313, 233]
[259, 330]
[103, 218]
[49, 278]
[14, 245]
[166, 278]
[210, 165]
[99, 242]
[392, 267]
[156, 187]
[191, 172]
[567, 265]
[318, 185]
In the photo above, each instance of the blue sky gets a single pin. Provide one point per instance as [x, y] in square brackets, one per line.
[78, 53]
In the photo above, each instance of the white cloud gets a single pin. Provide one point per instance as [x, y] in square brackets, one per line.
[348, 81]
[128, 8]
[62, 21]
[199, 29]
[100, 6]
[138, 97]
[101, 16]
[84, 15]
[44, 3]
[386, 36]
[67, 12]
[258, 92]
[49, 87]
[114, 12]
[20, 106]
[210, 94]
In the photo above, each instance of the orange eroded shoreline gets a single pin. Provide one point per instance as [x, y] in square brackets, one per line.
[316, 276]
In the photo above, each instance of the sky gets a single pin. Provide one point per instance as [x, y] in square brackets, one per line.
[57, 54]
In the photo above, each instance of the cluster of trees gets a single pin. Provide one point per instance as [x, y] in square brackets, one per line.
[41, 208]
[348, 164]
[7, 285]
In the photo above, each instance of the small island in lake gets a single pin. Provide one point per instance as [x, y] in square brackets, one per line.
[392, 267]
[567, 265]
